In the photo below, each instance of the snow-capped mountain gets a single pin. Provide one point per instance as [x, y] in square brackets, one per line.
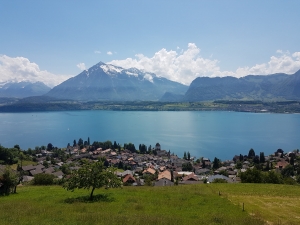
[22, 89]
[105, 82]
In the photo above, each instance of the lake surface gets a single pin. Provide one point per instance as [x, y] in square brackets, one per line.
[207, 134]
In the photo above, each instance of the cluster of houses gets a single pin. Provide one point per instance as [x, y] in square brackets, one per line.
[164, 168]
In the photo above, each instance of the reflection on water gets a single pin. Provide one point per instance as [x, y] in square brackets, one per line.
[209, 134]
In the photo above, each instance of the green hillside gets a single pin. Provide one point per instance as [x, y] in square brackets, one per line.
[189, 204]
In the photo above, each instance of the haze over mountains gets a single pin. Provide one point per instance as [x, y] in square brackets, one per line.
[23, 89]
[105, 82]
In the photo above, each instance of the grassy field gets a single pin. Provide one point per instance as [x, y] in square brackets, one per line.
[276, 204]
[190, 204]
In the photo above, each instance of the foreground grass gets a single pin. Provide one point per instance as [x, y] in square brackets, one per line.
[276, 204]
[191, 204]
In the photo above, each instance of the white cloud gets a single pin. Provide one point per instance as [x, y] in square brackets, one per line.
[21, 69]
[185, 66]
[97, 52]
[109, 53]
[81, 66]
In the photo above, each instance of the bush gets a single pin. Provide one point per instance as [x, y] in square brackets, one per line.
[252, 176]
[273, 177]
[289, 181]
[43, 179]
[219, 180]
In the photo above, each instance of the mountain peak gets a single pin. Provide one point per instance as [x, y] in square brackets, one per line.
[111, 69]
[108, 82]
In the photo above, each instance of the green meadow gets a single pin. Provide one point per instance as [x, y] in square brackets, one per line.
[189, 204]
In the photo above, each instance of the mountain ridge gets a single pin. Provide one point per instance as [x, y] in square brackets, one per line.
[252, 87]
[23, 89]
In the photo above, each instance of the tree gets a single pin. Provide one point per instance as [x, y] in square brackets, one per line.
[251, 153]
[17, 147]
[241, 158]
[74, 143]
[120, 165]
[262, 157]
[130, 147]
[8, 155]
[149, 149]
[252, 176]
[267, 166]
[216, 163]
[256, 159]
[80, 141]
[9, 179]
[88, 141]
[273, 177]
[154, 152]
[288, 171]
[46, 164]
[49, 147]
[239, 165]
[292, 160]
[187, 166]
[92, 176]
[184, 155]
[188, 156]
[142, 148]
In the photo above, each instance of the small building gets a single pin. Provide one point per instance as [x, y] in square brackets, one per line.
[149, 171]
[164, 182]
[129, 179]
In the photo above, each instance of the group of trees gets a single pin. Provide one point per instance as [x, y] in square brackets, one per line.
[9, 155]
[187, 156]
[142, 149]
[81, 143]
[187, 167]
[257, 176]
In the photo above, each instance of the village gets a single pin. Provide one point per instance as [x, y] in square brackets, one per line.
[159, 169]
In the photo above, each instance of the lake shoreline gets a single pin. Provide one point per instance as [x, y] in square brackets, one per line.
[285, 107]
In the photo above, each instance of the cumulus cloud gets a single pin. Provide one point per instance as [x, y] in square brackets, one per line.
[97, 52]
[21, 69]
[81, 66]
[185, 66]
[109, 53]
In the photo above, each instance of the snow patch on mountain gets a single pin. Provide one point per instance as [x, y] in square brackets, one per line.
[131, 74]
[148, 77]
[110, 69]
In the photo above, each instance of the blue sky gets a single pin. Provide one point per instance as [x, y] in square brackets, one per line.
[53, 40]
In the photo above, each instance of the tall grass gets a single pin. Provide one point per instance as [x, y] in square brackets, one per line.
[275, 203]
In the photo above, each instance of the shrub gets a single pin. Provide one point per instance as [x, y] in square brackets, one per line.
[219, 180]
[43, 179]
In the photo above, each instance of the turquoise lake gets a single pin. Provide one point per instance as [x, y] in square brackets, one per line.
[207, 134]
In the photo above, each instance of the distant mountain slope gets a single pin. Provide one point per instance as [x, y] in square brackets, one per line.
[111, 83]
[23, 89]
[171, 97]
[252, 87]
[290, 87]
